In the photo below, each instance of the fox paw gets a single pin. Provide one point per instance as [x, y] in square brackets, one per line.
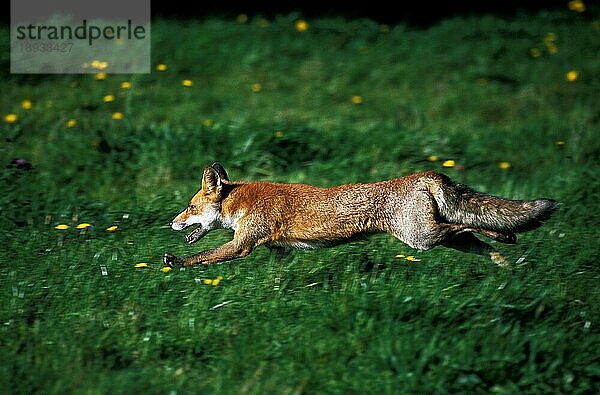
[170, 260]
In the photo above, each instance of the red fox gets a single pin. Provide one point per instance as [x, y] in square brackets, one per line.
[422, 210]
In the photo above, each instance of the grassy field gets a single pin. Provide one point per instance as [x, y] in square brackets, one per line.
[513, 103]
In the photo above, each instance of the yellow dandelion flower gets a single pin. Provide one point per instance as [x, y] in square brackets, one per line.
[432, 158]
[108, 98]
[83, 225]
[95, 63]
[535, 52]
[278, 134]
[26, 104]
[117, 116]
[141, 264]
[101, 76]
[552, 48]
[62, 227]
[560, 142]
[550, 42]
[125, 85]
[161, 67]
[504, 165]
[242, 18]
[166, 269]
[71, 123]
[187, 83]
[550, 37]
[208, 122]
[262, 22]
[256, 87]
[102, 65]
[412, 259]
[572, 76]
[356, 99]
[216, 281]
[11, 118]
[449, 163]
[112, 228]
[301, 25]
[576, 5]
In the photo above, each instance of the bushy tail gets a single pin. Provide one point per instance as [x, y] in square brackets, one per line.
[460, 204]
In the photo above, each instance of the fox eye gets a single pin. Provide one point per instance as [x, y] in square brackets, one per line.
[192, 206]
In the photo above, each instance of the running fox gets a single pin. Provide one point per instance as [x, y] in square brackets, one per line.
[422, 210]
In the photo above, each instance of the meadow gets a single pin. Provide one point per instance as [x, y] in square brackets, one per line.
[94, 166]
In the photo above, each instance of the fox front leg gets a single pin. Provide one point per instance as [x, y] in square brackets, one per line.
[226, 252]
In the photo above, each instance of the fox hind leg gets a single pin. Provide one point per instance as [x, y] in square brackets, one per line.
[418, 223]
[419, 226]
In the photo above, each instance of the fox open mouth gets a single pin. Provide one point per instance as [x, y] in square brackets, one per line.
[196, 234]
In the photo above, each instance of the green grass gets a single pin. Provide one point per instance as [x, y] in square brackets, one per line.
[349, 319]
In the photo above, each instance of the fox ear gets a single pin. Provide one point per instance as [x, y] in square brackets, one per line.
[211, 181]
[221, 171]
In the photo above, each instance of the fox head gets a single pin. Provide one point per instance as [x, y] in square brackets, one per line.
[204, 210]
